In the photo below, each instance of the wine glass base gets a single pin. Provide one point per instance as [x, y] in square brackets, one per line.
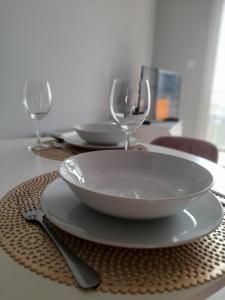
[38, 147]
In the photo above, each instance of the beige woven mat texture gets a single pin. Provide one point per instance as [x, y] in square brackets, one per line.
[122, 270]
[63, 151]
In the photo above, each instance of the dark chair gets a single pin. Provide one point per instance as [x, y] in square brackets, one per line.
[190, 145]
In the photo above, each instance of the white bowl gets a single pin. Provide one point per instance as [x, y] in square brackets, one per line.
[100, 133]
[135, 185]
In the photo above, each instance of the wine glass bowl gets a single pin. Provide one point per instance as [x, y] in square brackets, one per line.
[37, 102]
[129, 104]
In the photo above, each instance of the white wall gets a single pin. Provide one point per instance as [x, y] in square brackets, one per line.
[80, 46]
[185, 42]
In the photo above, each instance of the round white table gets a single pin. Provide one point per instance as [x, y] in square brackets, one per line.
[17, 164]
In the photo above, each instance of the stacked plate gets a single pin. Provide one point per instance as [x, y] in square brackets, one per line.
[133, 199]
[102, 135]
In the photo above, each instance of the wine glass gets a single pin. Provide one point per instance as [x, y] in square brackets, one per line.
[37, 102]
[129, 104]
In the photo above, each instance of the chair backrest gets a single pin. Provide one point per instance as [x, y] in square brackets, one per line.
[190, 145]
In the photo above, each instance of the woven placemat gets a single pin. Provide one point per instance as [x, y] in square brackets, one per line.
[59, 152]
[64, 150]
[122, 270]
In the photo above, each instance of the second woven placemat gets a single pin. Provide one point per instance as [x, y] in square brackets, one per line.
[63, 150]
[122, 270]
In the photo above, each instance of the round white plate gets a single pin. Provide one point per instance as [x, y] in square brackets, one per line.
[75, 140]
[65, 210]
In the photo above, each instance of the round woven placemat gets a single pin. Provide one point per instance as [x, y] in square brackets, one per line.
[61, 151]
[122, 270]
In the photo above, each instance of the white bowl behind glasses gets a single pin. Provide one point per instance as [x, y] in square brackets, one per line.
[105, 133]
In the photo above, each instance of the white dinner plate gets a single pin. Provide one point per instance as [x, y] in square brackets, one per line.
[65, 210]
[75, 140]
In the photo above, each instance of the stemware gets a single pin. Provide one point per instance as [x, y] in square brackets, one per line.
[130, 104]
[37, 102]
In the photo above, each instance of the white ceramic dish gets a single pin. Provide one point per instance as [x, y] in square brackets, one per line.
[75, 140]
[103, 133]
[135, 184]
[66, 211]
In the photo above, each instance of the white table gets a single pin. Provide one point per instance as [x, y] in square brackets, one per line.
[16, 282]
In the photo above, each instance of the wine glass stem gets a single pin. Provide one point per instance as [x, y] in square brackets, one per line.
[38, 132]
[127, 141]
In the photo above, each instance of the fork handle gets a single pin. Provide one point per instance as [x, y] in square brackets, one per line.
[85, 275]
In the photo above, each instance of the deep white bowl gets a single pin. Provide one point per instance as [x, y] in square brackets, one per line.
[107, 133]
[133, 184]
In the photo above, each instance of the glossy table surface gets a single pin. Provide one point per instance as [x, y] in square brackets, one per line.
[17, 164]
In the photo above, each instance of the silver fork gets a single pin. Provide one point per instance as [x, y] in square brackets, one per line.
[85, 275]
